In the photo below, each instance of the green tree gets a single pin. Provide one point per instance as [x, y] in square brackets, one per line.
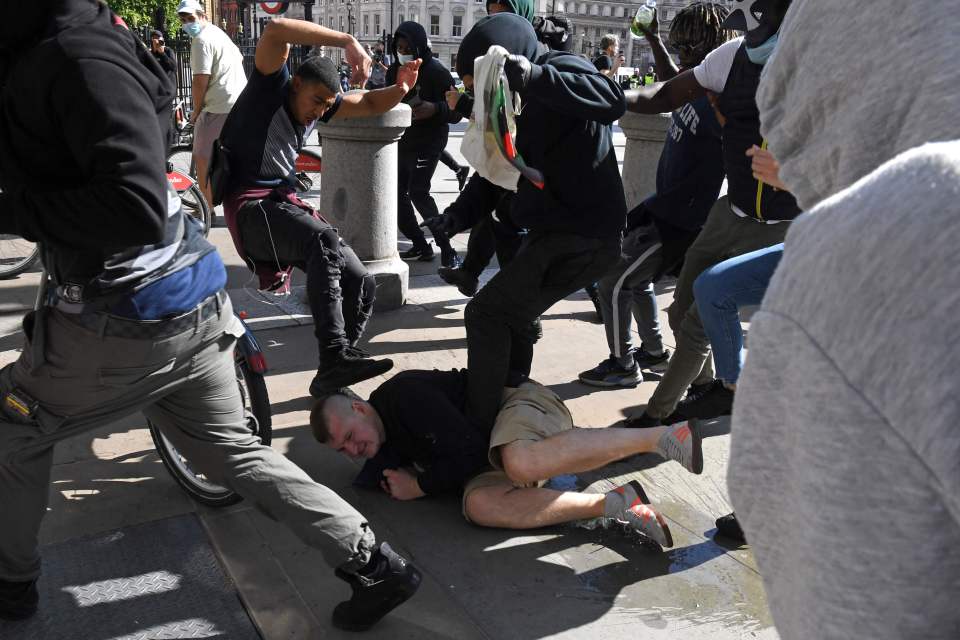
[139, 13]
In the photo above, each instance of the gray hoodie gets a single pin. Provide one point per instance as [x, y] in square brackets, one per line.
[845, 462]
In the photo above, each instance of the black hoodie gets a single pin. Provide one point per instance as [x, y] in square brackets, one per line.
[82, 151]
[564, 130]
[433, 82]
[82, 154]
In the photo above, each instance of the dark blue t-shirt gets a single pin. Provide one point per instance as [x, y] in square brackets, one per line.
[690, 171]
[260, 134]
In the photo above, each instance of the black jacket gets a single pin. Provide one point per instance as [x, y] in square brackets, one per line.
[565, 131]
[82, 153]
[423, 416]
[433, 82]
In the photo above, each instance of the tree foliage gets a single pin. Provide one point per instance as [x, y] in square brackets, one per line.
[141, 13]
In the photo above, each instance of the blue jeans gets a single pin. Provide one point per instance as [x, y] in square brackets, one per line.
[720, 291]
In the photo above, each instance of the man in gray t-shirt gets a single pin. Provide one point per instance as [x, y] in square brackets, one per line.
[844, 465]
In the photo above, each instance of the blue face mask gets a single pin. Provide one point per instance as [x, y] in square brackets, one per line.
[760, 55]
[193, 29]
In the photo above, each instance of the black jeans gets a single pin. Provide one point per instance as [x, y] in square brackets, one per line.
[340, 290]
[414, 173]
[548, 267]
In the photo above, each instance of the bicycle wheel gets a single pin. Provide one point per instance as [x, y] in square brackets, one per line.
[256, 402]
[16, 255]
[180, 158]
[194, 204]
[308, 166]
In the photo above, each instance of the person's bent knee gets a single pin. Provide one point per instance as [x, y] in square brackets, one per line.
[484, 506]
[518, 464]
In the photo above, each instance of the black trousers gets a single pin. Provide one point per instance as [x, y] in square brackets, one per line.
[340, 291]
[414, 173]
[548, 267]
[489, 237]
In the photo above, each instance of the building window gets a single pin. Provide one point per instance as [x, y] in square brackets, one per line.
[341, 23]
[457, 26]
[376, 24]
[434, 25]
[366, 24]
[400, 18]
[453, 61]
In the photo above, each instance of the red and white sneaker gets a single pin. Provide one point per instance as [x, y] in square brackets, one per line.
[629, 504]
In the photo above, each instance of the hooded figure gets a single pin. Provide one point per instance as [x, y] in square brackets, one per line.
[843, 463]
[423, 141]
[574, 218]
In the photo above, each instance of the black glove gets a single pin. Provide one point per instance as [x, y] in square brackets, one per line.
[442, 225]
[518, 71]
[465, 105]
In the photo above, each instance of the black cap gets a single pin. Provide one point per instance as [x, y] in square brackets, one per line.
[156, 33]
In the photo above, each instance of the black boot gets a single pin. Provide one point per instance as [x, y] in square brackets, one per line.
[344, 368]
[729, 527]
[18, 600]
[386, 582]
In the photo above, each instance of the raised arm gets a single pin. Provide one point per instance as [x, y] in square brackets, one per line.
[666, 69]
[280, 33]
[662, 97]
[360, 104]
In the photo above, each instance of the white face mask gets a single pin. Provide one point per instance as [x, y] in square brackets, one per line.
[405, 58]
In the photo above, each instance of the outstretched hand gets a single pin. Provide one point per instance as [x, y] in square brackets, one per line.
[407, 74]
[452, 96]
[360, 63]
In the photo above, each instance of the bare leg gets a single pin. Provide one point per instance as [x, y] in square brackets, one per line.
[509, 507]
[575, 451]
[202, 180]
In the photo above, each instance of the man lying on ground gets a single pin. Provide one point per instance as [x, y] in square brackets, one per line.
[418, 441]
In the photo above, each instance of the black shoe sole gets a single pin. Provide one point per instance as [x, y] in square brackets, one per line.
[401, 596]
[697, 448]
[464, 288]
[322, 386]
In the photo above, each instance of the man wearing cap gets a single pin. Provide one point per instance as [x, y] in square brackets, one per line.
[218, 79]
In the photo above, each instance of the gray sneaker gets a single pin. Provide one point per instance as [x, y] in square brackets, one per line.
[681, 442]
[609, 373]
[630, 505]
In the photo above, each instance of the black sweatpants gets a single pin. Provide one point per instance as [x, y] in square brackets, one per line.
[414, 172]
[548, 267]
[340, 290]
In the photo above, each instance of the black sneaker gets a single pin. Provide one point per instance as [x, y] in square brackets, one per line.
[423, 254]
[729, 527]
[713, 401]
[461, 279]
[450, 259]
[593, 290]
[650, 362]
[390, 581]
[642, 421]
[18, 600]
[697, 389]
[462, 174]
[610, 373]
[346, 368]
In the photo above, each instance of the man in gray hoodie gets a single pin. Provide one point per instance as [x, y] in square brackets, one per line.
[844, 469]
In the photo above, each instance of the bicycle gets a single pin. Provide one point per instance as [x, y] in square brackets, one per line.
[182, 170]
[250, 366]
[17, 255]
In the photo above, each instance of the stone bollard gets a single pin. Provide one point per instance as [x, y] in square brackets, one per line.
[359, 194]
[645, 136]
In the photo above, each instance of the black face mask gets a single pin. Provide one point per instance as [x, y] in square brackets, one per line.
[759, 19]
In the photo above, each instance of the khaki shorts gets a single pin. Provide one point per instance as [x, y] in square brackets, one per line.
[529, 412]
[205, 131]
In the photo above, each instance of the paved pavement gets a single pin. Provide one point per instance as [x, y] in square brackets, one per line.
[562, 582]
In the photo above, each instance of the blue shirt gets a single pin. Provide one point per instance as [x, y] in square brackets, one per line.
[176, 293]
